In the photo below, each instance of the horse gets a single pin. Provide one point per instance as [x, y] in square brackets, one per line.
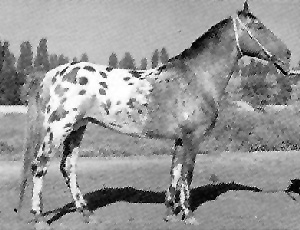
[178, 101]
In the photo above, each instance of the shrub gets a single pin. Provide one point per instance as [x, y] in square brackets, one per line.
[256, 131]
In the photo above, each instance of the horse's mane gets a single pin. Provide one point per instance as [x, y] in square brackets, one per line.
[211, 35]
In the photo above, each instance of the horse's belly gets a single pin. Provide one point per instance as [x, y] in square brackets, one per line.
[122, 119]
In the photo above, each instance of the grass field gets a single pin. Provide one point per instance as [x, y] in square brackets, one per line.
[128, 193]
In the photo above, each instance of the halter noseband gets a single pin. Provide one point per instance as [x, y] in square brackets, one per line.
[244, 27]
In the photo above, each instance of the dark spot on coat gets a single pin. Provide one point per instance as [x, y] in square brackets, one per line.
[58, 114]
[104, 75]
[108, 103]
[77, 196]
[54, 117]
[64, 70]
[107, 106]
[89, 68]
[118, 103]
[74, 62]
[68, 125]
[63, 100]
[130, 103]
[130, 83]
[116, 125]
[43, 147]
[109, 68]
[40, 173]
[75, 109]
[102, 91]
[33, 167]
[126, 78]
[48, 108]
[71, 76]
[82, 92]
[43, 159]
[53, 79]
[103, 84]
[60, 91]
[48, 130]
[83, 81]
[51, 136]
[136, 74]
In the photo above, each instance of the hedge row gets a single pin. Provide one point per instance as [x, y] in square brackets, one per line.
[256, 131]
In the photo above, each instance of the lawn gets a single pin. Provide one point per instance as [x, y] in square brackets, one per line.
[128, 193]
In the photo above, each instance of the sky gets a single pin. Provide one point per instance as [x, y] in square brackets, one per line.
[100, 27]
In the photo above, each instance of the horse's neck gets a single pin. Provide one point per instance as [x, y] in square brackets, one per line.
[218, 60]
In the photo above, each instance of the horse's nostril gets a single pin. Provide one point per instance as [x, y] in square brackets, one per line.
[288, 52]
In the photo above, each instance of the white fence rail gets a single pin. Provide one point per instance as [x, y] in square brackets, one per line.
[5, 109]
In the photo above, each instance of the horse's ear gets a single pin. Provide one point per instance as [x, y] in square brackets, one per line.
[246, 7]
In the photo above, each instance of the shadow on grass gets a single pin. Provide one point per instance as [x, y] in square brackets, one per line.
[106, 196]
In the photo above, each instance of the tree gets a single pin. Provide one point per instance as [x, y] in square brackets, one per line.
[25, 61]
[62, 59]
[53, 59]
[155, 58]
[143, 65]
[75, 59]
[41, 62]
[113, 60]
[127, 62]
[84, 58]
[10, 82]
[9, 59]
[1, 56]
[164, 56]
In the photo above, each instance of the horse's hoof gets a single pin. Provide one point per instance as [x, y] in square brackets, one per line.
[86, 219]
[42, 226]
[171, 218]
[191, 221]
[86, 214]
[93, 220]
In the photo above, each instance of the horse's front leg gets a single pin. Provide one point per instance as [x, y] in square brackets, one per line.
[185, 189]
[190, 148]
[176, 171]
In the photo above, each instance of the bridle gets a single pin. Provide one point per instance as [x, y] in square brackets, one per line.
[273, 58]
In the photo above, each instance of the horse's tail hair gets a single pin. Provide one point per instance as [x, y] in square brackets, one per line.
[33, 135]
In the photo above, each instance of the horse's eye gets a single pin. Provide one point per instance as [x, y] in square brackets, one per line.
[260, 26]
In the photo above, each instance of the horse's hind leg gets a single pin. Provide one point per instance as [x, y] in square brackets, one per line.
[39, 169]
[55, 135]
[68, 166]
[176, 171]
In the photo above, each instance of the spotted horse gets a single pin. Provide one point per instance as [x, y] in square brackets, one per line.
[178, 100]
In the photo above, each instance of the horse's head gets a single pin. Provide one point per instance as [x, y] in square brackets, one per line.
[256, 40]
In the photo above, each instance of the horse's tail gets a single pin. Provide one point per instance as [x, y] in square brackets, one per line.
[33, 135]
